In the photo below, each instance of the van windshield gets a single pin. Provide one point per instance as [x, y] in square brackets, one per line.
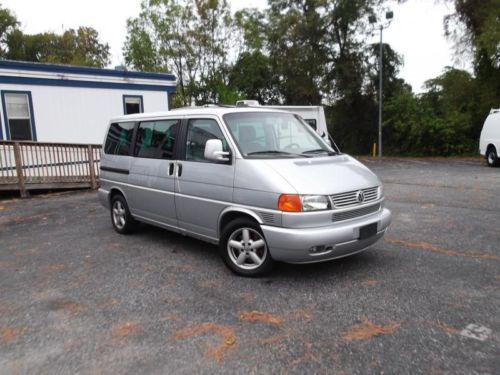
[274, 135]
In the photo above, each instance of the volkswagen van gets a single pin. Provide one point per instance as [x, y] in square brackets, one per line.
[260, 183]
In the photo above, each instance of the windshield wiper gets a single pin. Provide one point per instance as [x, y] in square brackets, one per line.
[320, 150]
[276, 152]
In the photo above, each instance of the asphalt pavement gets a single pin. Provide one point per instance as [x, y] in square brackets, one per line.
[76, 297]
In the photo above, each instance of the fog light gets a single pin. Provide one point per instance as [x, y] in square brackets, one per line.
[317, 249]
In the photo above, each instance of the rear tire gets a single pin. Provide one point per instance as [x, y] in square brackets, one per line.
[122, 220]
[244, 249]
[492, 157]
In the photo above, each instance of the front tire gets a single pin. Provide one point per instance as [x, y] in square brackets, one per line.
[492, 157]
[244, 248]
[122, 220]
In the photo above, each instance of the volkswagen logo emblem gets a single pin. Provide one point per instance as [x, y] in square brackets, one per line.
[360, 196]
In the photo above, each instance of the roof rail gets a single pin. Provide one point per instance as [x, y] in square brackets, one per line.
[494, 110]
[208, 105]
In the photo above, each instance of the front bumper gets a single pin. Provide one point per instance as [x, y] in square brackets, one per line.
[339, 240]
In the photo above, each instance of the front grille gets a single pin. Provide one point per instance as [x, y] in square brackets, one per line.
[358, 212]
[351, 197]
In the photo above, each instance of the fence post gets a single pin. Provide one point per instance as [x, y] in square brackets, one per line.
[93, 182]
[19, 169]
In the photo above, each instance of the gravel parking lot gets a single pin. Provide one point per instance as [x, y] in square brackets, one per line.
[77, 297]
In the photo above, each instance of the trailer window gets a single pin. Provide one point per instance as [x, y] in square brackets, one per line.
[19, 118]
[132, 104]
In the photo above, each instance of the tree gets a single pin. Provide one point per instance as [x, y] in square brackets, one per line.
[295, 38]
[8, 23]
[73, 47]
[190, 38]
[252, 78]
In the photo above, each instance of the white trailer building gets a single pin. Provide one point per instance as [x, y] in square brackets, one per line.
[68, 104]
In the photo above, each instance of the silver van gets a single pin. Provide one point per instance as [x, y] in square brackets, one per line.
[260, 183]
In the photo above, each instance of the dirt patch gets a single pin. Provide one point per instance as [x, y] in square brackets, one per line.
[370, 282]
[16, 220]
[441, 250]
[218, 352]
[65, 305]
[125, 330]
[450, 331]
[6, 265]
[274, 339]
[304, 315]
[262, 317]
[248, 297]
[184, 267]
[108, 304]
[366, 330]
[57, 267]
[9, 335]
[210, 284]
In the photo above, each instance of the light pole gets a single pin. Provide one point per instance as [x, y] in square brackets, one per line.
[389, 15]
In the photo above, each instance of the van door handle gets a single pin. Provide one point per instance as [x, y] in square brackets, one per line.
[179, 170]
[171, 169]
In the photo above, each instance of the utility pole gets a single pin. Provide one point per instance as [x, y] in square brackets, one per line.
[380, 97]
[372, 19]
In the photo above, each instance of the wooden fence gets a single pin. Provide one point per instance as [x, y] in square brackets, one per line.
[26, 166]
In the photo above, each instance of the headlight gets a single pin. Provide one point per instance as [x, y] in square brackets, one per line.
[380, 191]
[301, 203]
[315, 202]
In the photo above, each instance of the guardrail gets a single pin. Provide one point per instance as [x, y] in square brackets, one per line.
[27, 166]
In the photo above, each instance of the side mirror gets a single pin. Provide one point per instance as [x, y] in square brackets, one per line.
[213, 151]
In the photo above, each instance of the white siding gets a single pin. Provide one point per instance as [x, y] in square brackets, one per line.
[79, 115]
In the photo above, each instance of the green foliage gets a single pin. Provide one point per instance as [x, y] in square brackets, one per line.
[74, 47]
[8, 24]
[189, 38]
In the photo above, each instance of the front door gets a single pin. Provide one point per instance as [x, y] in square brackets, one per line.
[204, 188]
[152, 178]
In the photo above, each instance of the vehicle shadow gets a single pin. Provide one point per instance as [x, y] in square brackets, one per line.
[203, 252]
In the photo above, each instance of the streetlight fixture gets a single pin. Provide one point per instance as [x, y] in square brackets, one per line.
[389, 15]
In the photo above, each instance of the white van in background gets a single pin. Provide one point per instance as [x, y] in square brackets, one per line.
[314, 115]
[489, 142]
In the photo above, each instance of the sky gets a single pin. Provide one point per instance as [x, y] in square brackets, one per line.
[416, 32]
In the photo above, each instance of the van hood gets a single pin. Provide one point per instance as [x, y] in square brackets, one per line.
[324, 175]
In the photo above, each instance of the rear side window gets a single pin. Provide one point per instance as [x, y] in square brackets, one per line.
[119, 138]
[156, 139]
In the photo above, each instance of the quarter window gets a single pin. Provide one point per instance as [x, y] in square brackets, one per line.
[18, 116]
[119, 138]
[198, 133]
[156, 139]
[311, 122]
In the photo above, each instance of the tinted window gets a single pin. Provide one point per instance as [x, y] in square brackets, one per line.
[199, 132]
[119, 138]
[156, 139]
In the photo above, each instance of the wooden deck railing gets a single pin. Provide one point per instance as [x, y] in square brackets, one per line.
[26, 166]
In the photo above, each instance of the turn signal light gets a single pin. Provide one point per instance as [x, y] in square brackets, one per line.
[290, 203]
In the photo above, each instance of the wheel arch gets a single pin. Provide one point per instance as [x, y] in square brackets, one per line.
[116, 190]
[231, 213]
